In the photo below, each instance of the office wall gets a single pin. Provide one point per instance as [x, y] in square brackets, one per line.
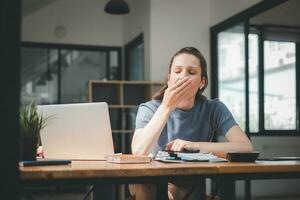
[175, 24]
[137, 22]
[85, 23]
[286, 14]
[167, 26]
[221, 10]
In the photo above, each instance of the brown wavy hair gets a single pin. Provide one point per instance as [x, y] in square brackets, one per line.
[187, 50]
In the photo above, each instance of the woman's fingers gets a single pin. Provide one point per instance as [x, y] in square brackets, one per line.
[183, 87]
[181, 145]
[171, 97]
[178, 83]
[172, 82]
[184, 92]
[169, 145]
[175, 145]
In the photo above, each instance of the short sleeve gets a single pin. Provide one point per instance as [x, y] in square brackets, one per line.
[143, 116]
[222, 118]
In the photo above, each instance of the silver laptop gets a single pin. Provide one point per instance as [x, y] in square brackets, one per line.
[79, 131]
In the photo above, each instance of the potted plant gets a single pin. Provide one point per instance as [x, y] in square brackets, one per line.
[31, 123]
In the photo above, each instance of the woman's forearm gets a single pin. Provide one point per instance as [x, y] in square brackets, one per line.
[144, 140]
[221, 148]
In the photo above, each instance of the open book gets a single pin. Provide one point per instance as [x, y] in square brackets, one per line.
[127, 158]
[187, 157]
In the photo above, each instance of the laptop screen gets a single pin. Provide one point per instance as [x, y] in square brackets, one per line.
[80, 131]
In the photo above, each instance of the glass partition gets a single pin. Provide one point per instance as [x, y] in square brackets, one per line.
[253, 83]
[39, 67]
[279, 85]
[78, 67]
[52, 74]
[256, 58]
[231, 74]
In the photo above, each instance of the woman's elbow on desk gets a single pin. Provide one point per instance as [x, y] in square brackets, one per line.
[140, 150]
[136, 150]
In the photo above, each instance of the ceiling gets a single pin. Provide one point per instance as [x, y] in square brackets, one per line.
[285, 14]
[30, 6]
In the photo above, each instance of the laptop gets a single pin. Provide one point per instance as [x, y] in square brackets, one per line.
[78, 131]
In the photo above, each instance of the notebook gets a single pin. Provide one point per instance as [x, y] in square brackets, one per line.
[128, 158]
[80, 131]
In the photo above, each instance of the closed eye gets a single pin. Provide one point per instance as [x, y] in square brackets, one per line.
[192, 72]
[177, 71]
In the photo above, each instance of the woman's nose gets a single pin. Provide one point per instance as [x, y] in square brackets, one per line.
[183, 74]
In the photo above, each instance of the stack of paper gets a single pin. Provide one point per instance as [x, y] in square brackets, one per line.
[194, 157]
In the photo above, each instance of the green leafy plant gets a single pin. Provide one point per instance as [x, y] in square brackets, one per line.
[31, 123]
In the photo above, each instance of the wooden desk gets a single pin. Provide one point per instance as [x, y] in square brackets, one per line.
[85, 170]
[228, 173]
[98, 172]
[259, 167]
[101, 172]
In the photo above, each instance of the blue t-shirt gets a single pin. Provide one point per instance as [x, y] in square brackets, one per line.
[206, 118]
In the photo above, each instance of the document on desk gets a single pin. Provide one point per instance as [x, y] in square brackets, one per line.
[187, 157]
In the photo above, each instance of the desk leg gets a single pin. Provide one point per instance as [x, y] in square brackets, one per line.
[162, 191]
[247, 189]
[227, 188]
[202, 183]
[104, 191]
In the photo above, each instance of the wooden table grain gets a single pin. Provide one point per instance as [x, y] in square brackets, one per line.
[264, 167]
[103, 169]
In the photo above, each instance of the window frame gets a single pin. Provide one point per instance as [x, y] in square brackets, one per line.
[243, 18]
[76, 47]
[262, 38]
[128, 47]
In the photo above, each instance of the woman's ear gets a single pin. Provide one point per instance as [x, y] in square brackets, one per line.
[202, 84]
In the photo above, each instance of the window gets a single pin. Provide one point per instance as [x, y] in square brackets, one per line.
[53, 73]
[253, 83]
[279, 85]
[255, 72]
[134, 59]
[231, 75]
[78, 67]
[278, 75]
[39, 75]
